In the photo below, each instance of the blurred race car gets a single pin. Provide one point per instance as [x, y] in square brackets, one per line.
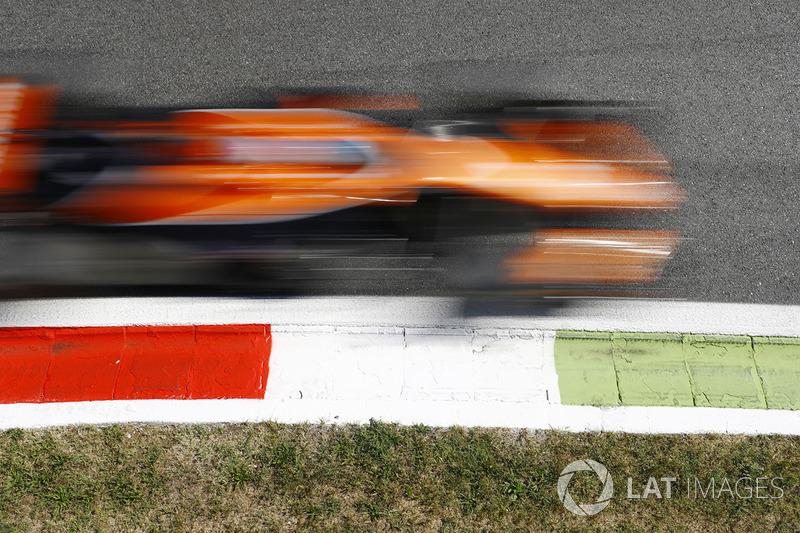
[312, 191]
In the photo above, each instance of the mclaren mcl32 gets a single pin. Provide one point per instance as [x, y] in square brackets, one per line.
[317, 194]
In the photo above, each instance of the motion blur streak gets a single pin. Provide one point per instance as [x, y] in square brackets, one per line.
[345, 101]
[290, 191]
[600, 141]
[592, 256]
[273, 165]
[21, 108]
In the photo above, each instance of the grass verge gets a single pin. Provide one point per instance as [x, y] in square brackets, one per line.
[384, 477]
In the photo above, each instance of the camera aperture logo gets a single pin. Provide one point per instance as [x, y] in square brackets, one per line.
[743, 487]
[585, 509]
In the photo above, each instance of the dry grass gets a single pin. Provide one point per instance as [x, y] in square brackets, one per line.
[378, 477]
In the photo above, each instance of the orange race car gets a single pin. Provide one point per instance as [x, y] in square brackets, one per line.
[287, 189]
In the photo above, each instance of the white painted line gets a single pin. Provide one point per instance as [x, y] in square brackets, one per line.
[669, 420]
[599, 315]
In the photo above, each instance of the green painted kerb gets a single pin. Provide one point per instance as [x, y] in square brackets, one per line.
[603, 368]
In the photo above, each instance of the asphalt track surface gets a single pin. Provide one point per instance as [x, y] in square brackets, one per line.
[724, 76]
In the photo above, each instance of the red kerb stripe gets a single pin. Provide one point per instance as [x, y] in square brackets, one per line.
[136, 362]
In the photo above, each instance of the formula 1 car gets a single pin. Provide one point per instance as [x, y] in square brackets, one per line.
[311, 191]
